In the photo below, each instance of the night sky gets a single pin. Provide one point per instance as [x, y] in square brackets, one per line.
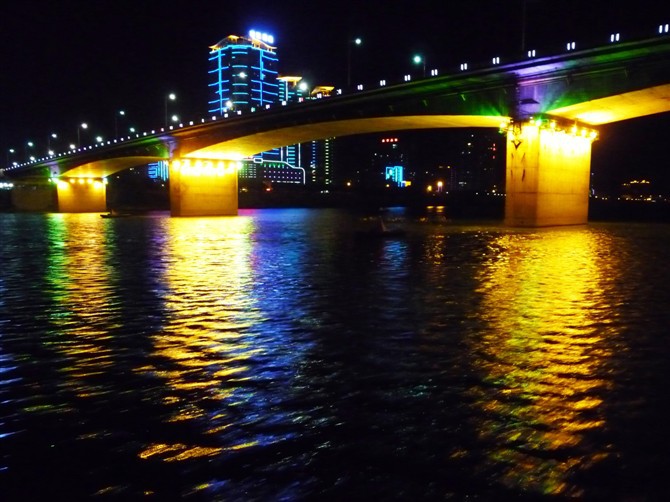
[64, 62]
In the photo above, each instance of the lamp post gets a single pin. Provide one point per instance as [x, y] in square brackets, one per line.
[29, 144]
[170, 97]
[11, 151]
[83, 125]
[350, 44]
[51, 136]
[120, 113]
[420, 60]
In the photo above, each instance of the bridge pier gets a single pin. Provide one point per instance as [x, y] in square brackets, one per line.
[39, 197]
[203, 187]
[81, 195]
[548, 174]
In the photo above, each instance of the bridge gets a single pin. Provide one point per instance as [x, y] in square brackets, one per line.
[549, 108]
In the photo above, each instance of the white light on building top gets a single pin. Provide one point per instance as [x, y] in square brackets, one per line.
[263, 37]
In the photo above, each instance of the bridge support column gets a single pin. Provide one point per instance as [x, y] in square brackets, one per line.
[201, 187]
[33, 197]
[548, 175]
[82, 195]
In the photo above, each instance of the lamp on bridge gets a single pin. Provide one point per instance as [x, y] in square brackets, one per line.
[170, 97]
[51, 136]
[29, 144]
[120, 113]
[11, 151]
[83, 125]
[420, 60]
[355, 41]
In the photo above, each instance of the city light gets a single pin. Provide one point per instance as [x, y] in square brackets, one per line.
[263, 37]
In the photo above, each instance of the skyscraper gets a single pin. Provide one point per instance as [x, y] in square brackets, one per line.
[243, 73]
[244, 77]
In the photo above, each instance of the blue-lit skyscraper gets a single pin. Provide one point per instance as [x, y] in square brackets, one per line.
[243, 76]
[243, 73]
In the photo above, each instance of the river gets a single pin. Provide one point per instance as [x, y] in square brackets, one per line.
[283, 355]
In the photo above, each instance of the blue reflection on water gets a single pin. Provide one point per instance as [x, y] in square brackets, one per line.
[277, 355]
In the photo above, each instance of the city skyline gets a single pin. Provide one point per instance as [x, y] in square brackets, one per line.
[75, 65]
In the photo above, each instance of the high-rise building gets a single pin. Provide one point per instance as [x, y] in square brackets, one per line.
[388, 164]
[243, 73]
[480, 167]
[244, 77]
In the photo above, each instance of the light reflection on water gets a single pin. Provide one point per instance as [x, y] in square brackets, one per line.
[279, 355]
[541, 353]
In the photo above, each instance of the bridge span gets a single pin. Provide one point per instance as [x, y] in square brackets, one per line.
[548, 107]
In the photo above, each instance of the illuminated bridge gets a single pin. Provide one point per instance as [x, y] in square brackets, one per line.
[548, 106]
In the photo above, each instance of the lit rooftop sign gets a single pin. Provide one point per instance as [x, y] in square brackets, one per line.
[263, 37]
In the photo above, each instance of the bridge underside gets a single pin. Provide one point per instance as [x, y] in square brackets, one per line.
[239, 148]
[623, 106]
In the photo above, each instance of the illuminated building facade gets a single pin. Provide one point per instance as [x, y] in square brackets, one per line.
[243, 73]
[321, 163]
[243, 76]
[389, 162]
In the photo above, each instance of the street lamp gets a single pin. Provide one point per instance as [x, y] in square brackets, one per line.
[83, 125]
[29, 144]
[10, 151]
[120, 113]
[420, 60]
[51, 136]
[355, 41]
[170, 97]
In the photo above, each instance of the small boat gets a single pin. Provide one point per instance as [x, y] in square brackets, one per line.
[114, 214]
[381, 231]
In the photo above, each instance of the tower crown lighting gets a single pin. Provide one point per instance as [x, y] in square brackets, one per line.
[263, 37]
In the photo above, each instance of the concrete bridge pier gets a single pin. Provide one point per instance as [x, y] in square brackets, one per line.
[32, 196]
[548, 174]
[81, 195]
[203, 187]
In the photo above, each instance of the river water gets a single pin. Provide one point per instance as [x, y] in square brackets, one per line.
[281, 355]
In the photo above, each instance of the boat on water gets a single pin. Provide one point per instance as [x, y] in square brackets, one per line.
[381, 230]
[115, 214]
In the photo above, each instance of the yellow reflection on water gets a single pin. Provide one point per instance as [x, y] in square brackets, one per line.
[202, 349]
[544, 299]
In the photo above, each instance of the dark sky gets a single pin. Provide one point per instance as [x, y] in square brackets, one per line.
[67, 61]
